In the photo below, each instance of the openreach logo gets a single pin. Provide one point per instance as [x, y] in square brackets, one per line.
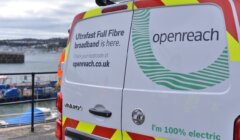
[208, 35]
[214, 73]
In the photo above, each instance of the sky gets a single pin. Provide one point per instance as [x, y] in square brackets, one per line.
[39, 19]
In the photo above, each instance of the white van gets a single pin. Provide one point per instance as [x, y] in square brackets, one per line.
[153, 70]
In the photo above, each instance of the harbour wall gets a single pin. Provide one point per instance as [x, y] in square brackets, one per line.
[11, 58]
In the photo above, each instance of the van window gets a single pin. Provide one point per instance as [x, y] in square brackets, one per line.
[98, 50]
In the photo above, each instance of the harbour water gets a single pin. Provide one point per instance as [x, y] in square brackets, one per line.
[45, 62]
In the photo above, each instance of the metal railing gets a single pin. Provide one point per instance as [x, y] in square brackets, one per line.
[32, 101]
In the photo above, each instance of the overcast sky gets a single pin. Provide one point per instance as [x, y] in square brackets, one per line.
[39, 18]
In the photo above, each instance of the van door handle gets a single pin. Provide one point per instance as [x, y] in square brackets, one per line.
[102, 113]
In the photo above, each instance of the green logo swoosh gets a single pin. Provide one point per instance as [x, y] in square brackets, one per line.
[210, 76]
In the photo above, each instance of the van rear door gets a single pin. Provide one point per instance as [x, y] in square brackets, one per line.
[182, 78]
[94, 73]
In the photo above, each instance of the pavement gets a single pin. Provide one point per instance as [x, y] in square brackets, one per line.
[44, 131]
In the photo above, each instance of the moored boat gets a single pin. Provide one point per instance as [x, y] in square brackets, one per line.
[41, 115]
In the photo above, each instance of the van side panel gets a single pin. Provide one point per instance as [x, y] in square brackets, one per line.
[94, 73]
[184, 81]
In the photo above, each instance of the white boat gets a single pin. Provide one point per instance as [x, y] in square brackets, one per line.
[41, 115]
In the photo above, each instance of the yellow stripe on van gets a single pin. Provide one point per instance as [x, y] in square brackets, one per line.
[179, 2]
[126, 136]
[93, 13]
[160, 139]
[64, 118]
[117, 135]
[66, 52]
[130, 6]
[85, 127]
[234, 48]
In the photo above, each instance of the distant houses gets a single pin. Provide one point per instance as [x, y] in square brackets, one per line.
[12, 51]
[53, 44]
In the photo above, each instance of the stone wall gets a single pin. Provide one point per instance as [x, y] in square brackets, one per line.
[8, 58]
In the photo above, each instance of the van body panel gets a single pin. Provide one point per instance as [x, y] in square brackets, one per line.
[236, 13]
[176, 107]
[177, 62]
[94, 72]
